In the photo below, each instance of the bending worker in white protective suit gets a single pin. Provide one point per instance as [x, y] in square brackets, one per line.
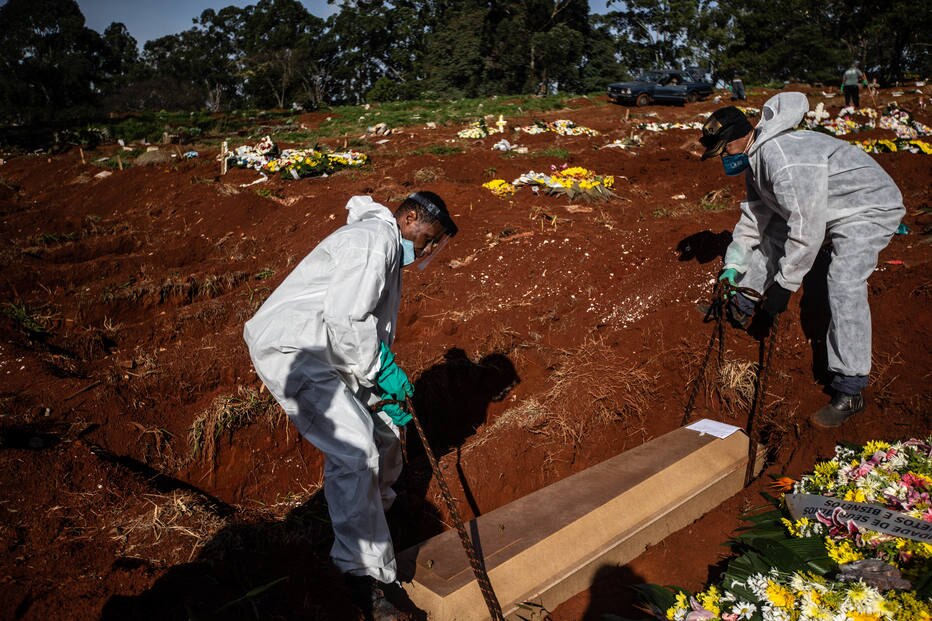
[321, 344]
[804, 190]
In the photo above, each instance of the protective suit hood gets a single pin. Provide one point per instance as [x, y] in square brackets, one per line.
[780, 113]
[364, 208]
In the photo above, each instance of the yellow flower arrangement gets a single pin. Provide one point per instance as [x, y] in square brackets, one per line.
[573, 182]
[500, 188]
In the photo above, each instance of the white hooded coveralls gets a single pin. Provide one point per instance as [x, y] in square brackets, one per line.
[315, 345]
[805, 189]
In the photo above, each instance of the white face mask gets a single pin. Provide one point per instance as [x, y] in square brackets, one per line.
[407, 252]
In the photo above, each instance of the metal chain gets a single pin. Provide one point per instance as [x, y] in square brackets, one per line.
[478, 568]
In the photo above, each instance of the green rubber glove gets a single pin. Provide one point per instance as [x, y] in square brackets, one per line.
[392, 380]
[398, 414]
[730, 274]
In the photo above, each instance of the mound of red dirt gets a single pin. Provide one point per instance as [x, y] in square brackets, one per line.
[547, 337]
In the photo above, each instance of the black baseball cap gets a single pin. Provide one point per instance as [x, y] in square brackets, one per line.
[725, 124]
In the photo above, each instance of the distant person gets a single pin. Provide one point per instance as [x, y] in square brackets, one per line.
[737, 89]
[806, 189]
[849, 85]
[321, 343]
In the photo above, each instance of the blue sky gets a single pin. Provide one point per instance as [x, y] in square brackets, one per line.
[150, 19]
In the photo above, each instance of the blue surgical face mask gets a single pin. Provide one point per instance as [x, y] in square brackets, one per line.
[735, 164]
[407, 251]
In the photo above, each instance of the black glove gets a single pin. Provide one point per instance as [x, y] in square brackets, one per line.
[776, 300]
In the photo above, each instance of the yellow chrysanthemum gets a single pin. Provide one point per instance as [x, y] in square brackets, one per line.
[856, 495]
[925, 147]
[709, 600]
[499, 187]
[577, 172]
[779, 596]
[873, 446]
[842, 552]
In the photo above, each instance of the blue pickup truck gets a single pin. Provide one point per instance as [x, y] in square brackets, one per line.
[660, 86]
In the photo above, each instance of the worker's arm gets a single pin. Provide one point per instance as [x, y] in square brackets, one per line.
[357, 285]
[747, 233]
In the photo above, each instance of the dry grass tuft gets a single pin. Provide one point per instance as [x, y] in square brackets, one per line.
[156, 527]
[716, 200]
[428, 174]
[735, 385]
[883, 378]
[156, 443]
[227, 414]
[589, 387]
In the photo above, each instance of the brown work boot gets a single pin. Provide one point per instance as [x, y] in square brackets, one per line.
[371, 596]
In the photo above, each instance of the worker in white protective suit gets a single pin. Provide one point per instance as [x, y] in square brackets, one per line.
[321, 344]
[805, 190]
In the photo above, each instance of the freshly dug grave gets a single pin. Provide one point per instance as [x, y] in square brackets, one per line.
[144, 473]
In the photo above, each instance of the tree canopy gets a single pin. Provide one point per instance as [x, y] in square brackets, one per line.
[274, 54]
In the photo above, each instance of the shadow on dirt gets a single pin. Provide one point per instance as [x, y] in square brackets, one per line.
[612, 594]
[704, 246]
[255, 567]
[452, 400]
[814, 314]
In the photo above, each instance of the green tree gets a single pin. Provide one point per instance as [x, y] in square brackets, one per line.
[49, 61]
[779, 40]
[656, 33]
[889, 37]
[453, 64]
[276, 39]
[120, 58]
[196, 68]
[601, 62]
[371, 40]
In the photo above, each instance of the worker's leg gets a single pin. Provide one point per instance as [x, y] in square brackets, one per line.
[336, 422]
[856, 244]
[387, 439]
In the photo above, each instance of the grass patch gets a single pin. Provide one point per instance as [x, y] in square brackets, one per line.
[226, 415]
[270, 193]
[175, 288]
[555, 152]
[266, 272]
[119, 161]
[439, 149]
[353, 120]
[716, 200]
[52, 239]
[27, 319]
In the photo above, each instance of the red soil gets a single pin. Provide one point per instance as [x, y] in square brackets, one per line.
[545, 338]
